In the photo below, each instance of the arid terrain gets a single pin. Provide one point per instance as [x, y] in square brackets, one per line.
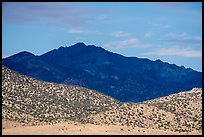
[74, 128]
[30, 106]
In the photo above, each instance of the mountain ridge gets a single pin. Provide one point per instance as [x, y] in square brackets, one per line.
[157, 60]
[125, 78]
[62, 47]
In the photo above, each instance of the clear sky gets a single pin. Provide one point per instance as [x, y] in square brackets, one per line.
[169, 31]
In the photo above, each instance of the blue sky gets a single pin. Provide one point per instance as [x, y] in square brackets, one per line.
[169, 31]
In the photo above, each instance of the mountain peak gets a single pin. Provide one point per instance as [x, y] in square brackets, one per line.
[23, 54]
[61, 47]
[80, 44]
[158, 60]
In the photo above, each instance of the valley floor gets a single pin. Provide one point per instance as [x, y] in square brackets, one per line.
[73, 128]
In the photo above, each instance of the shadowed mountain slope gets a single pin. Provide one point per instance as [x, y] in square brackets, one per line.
[124, 78]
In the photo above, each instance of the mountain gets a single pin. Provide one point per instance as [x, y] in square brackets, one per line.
[129, 79]
[33, 102]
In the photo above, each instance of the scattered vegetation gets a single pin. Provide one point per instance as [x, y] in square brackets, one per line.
[34, 102]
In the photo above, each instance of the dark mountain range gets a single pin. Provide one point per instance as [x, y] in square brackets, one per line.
[124, 78]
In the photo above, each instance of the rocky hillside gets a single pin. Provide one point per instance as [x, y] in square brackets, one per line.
[34, 102]
[30, 101]
[180, 112]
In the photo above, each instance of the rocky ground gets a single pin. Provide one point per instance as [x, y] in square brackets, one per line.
[31, 102]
